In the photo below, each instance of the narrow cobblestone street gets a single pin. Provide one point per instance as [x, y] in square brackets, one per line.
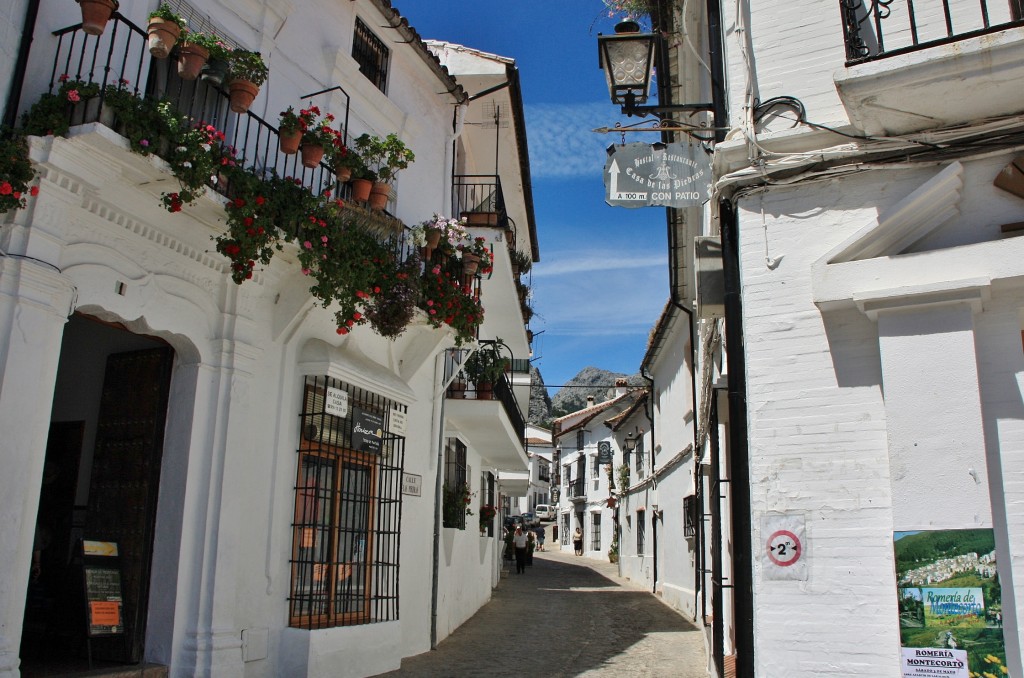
[567, 616]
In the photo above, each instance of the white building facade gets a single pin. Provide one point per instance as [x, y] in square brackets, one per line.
[861, 398]
[273, 484]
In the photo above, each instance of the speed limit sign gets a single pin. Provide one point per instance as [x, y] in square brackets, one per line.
[784, 547]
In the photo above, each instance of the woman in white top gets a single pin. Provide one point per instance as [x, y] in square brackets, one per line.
[519, 541]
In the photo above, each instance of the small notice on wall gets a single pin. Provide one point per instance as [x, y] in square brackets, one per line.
[934, 663]
[336, 402]
[784, 545]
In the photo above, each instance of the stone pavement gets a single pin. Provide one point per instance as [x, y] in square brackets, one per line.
[567, 616]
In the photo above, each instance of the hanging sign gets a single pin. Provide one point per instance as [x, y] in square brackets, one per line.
[783, 556]
[367, 430]
[604, 452]
[646, 175]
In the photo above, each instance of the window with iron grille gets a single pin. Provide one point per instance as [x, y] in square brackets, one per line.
[371, 54]
[690, 516]
[595, 531]
[641, 529]
[348, 506]
[579, 439]
[456, 484]
[565, 529]
[640, 458]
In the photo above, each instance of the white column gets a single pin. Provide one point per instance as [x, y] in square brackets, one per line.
[35, 301]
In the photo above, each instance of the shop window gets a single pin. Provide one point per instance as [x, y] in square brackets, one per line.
[345, 534]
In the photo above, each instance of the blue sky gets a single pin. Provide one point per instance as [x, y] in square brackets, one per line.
[603, 277]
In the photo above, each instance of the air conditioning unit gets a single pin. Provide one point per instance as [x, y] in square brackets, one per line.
[710, 277]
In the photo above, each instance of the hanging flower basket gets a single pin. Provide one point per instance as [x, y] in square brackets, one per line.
[191, 59]
[242, 93]
[163, 35]
[343, 174]
[312, 154]
[96, 14]
[290, 142]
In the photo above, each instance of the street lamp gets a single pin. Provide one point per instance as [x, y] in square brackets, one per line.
[629, 61]
[629, 444]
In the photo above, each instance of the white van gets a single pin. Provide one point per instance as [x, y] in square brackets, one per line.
[545, 512]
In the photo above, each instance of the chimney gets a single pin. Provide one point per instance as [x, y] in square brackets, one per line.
[590, 401]
[620, 386]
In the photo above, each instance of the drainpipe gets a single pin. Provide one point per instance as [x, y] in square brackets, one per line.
[21, 64]
[717, 608]
[438, 422]
[739, 453]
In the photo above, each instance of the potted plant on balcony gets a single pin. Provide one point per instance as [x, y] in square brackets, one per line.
[16, 173]
[96, 14]
[520, 261]
[215, 70]
[476, 256]
[289, 131]
[246, 73]
[487, 513]
[345, 162]
[385, 157]
[192, 55]
[317, 135]
[484, 368]
[164, 29]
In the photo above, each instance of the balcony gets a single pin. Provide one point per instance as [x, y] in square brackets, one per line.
[577, 490]
[491, 420]
[916, 66]
[478, 199]
[120, 56]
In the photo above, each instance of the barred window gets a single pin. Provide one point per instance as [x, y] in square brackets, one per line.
[345, 534]
[640, 457]
[691, 516]
[579, 439]
[371, 54]
[565, 529]
[641, 528]
[456, 484]
[595, 531]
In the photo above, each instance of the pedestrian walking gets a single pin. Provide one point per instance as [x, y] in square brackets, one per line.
[519, 540]
[577, 541]
[540, 538]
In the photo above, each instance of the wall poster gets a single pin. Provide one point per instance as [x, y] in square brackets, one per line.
[950, 604]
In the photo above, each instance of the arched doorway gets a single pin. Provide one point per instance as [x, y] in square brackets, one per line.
[101, 481]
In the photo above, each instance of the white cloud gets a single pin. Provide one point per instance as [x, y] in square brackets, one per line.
[562, 143]
[562, 263]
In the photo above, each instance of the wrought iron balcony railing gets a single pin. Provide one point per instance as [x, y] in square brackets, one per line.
[501, 391]
[881, 28]
[478, 199]
[120, 58]
[577, 489]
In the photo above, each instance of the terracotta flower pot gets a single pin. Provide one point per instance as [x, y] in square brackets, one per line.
[379, 195]
[191, 59]
[433, 237]
[343, 174]
[484, 390]
[361, 189]
[290, 142]
[312, 154]
[163, 35]
[96, 14]
[470, 263]
[243, 93]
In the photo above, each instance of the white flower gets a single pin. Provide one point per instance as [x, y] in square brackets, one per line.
[186, 165]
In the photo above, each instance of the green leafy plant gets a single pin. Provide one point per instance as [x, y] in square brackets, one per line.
[165, 12]
[51, 114]
[391, 309]
[477, 247]
[455, 501]
[486, 364]
[520, 260]
[289, 121]
[217, 48]
[246, 65]
[384, 157]
[317, 130]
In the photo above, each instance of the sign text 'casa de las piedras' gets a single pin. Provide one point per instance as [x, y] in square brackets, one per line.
[647, 175]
